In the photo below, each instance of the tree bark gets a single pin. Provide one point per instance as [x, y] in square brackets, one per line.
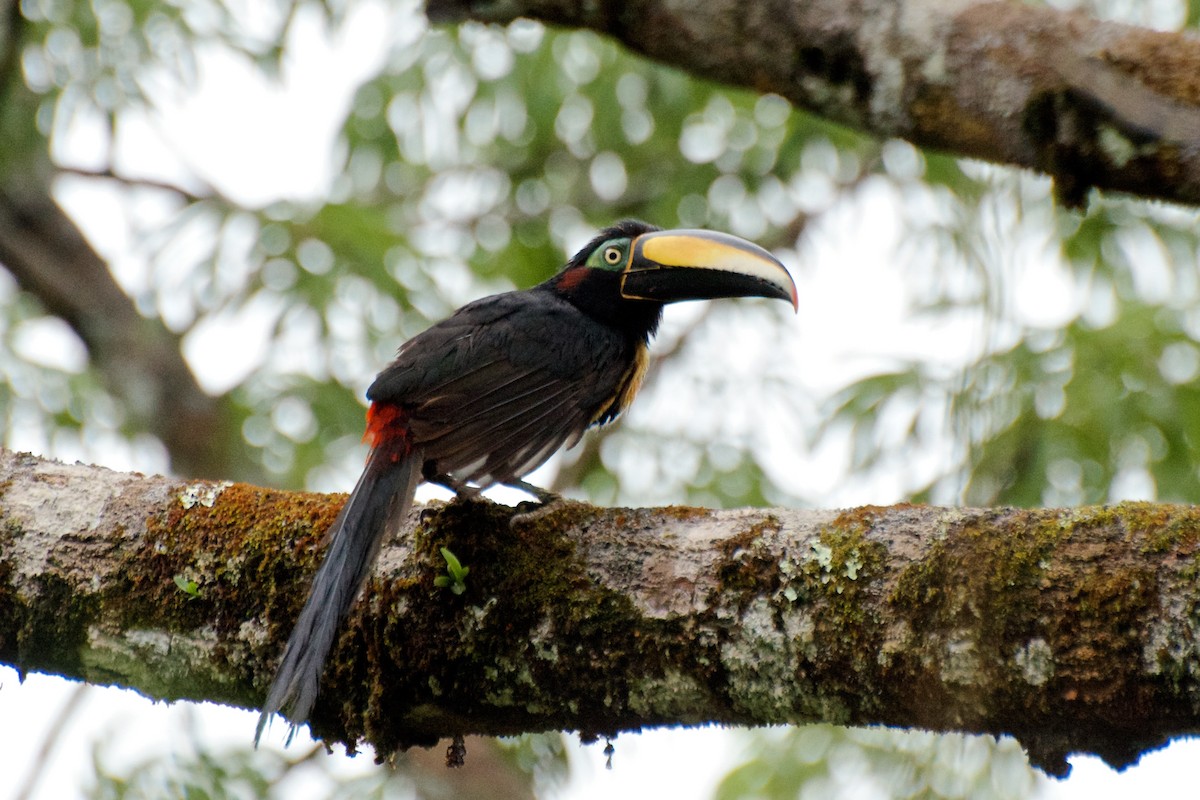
[1091, 103]
[1073, 630]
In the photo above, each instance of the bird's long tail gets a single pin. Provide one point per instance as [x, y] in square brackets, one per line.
[378, 505]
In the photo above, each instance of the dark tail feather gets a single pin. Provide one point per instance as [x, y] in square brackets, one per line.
[379, 502]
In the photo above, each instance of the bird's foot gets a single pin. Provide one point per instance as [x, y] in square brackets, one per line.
[462, 491]
[544, 496]
[547, 502]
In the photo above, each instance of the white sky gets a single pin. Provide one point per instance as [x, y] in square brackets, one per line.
[259, 142]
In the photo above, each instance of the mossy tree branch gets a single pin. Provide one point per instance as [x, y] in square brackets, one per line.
[1091, 103]
[1073, 630]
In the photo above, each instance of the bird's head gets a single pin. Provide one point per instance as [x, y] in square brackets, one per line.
[630, 270]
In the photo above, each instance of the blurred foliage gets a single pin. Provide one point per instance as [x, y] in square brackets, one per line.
[531, 763]
[471, 163]
[1099, 408]
[819, 761]
[1062, 368]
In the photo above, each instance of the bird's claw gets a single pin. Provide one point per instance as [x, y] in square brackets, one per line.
[527, 511]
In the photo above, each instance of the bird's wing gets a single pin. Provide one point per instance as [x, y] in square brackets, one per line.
[495, 389]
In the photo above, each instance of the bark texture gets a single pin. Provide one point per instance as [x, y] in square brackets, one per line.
[1072, 630]
[1091, 103]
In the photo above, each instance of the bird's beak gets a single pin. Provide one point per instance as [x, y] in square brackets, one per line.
[669, 266]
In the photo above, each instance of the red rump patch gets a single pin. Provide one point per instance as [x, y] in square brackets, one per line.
[387, 430]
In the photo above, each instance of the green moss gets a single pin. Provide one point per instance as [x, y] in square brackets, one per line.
[9, 621]
[503, 637]
[231, 549]
[44, 625]
[805, 643]
[53, 626]
[1125, 592]
[1162, 528]
[844, 565]
[227, 539]
[746, 567]
[974, 577]
[843, 559]
[1019, 612]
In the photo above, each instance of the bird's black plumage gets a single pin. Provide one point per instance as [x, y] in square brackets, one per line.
[490, 393]
[495, 389]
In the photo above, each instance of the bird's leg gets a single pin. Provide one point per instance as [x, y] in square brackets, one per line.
[461, 489]
[544, 496]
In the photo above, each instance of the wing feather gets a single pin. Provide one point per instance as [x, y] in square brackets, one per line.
[440, 416]
[495, 389]
[467, 440]
[508, 453]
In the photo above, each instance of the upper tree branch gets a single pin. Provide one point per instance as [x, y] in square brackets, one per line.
[1072, 630]
[1092, 103]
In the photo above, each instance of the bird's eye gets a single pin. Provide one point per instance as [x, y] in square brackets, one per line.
[612, 255]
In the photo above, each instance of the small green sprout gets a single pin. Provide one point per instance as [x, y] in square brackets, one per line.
[188, 586]
[456, 574]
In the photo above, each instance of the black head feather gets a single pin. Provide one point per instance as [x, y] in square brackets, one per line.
[597, 292]
[625, 229]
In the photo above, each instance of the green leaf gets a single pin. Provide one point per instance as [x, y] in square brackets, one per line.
[187, 586]
[457, 573]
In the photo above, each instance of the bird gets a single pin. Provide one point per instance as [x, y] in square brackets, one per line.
[490, 393]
